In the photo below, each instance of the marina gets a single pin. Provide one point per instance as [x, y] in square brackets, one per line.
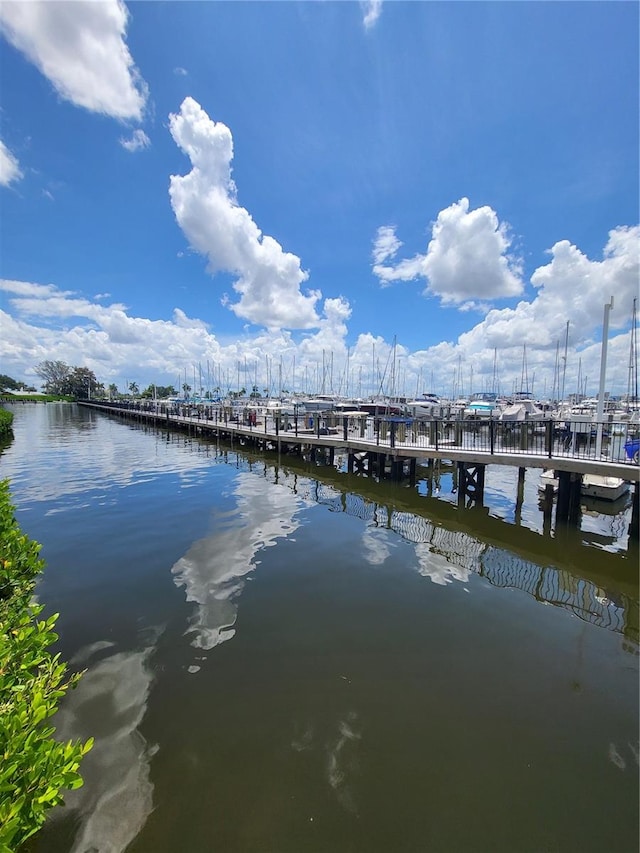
[391, 446]
[270, 639]
[319, 428]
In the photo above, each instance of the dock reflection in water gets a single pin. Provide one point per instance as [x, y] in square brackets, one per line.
[284, 658]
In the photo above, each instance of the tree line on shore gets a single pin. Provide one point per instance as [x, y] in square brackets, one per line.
[60, 379]
[80, 383]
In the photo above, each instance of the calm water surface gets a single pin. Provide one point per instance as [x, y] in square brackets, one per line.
[281, 658]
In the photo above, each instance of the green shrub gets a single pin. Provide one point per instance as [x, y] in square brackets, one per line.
[34, 767]
[6, 422]
[36, 398]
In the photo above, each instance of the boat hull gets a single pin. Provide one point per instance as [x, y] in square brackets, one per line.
[593, 486]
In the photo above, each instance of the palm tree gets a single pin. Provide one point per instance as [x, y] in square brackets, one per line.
[133, 387]
[186, 388]
[113, 390]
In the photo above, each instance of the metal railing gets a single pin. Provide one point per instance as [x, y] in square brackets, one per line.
[619, 443]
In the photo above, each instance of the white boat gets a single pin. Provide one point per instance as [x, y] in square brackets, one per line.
[593, 485]
[275, 407]
[458, 406]
[548, 478]
[481, 410]
[381, 407]
[603, 488]
[523, 410]
[428, 406]
[319, 403]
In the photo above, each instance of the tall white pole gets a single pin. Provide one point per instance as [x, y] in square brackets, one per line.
[603, 372]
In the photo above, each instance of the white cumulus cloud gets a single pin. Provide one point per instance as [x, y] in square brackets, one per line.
[467, 258]
[80, 47]
[30, 289]
[571, 288]
[41, 321]
[205, 206]
[573, 285]
[372, 9]
[9, 166]
[386, 244]
[138, 141]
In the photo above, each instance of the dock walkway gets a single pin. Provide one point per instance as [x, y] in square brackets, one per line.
[524, 445]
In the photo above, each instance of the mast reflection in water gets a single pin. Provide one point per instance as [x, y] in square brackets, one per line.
[283, 658]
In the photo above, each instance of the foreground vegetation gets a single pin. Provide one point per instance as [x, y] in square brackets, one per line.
[6, 422]
[34, 768]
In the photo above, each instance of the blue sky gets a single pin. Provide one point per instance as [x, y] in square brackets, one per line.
[260, 188]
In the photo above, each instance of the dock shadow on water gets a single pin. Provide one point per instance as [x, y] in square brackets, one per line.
[281, 657]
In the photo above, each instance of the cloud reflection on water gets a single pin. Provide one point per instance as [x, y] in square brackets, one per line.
[336, 750]
[213, 569]
[441, 561]
[113, 805]
[76, 451]
[342, 764]
[376, 546]
[437, 566]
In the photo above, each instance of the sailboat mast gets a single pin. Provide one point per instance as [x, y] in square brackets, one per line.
[393, 369]
[373, 370]
[564, 367]
[632, 384]
[495, 366]
[524, 380]
[346, 390]
[635, 353]
[331, 374]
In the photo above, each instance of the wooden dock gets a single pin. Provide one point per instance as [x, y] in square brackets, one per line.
[390, 447]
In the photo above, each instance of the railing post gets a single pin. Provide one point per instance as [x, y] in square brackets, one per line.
[549, 438]
[392, 438]
[436, 432]
[492, 436]
[345, 424]
[295, 423]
